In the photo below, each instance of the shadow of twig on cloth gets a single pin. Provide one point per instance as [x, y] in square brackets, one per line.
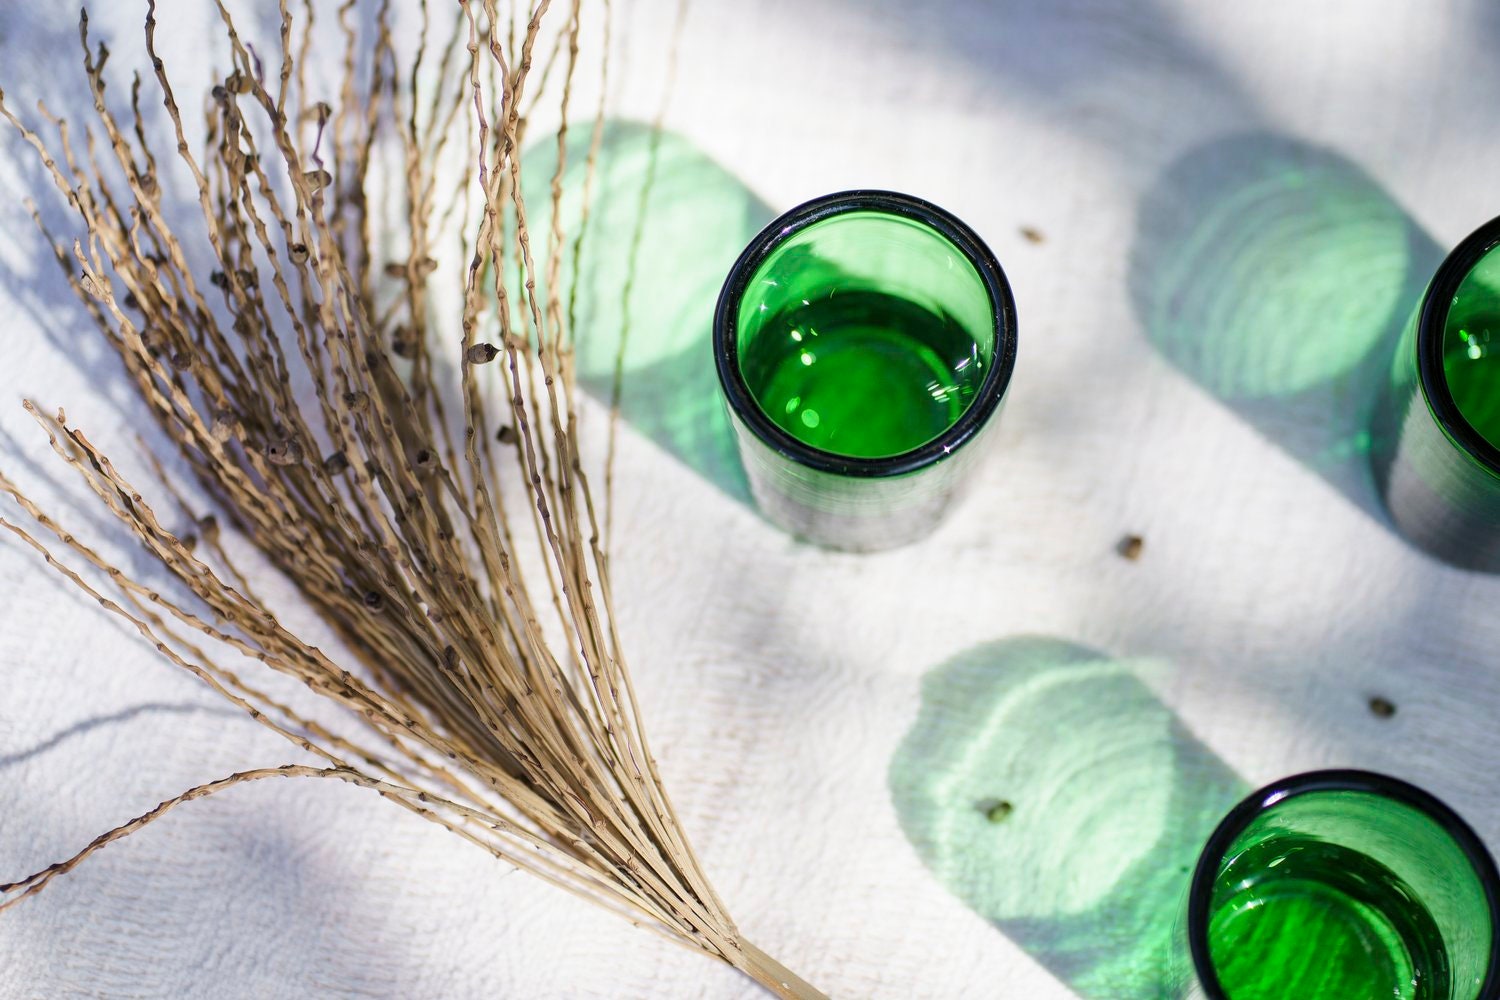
[95, 722]
[665, 225]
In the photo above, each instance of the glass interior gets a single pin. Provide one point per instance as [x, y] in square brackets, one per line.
[865, 334]
[1471, 347]
[1336, 895]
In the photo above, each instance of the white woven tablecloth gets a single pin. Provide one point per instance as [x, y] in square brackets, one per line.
[1234, 201]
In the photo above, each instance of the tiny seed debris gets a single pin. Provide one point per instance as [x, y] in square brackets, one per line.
[482, 354]
[318, 179]
[1382, 708]
[299, 253]
[402, 343]
[208, 527]
[336, 464]
[506, 434]
[287, 451]
[374, 600]
[226, 425]
[996, 812]
[1130, 547]
[1032, 235]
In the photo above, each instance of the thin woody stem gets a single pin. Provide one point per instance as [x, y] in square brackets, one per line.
[774, 976]
[294, 371]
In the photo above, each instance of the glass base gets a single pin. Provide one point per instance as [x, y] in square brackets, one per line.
[1312, 919]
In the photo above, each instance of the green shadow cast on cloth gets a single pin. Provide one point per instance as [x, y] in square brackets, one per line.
[1104, 802]
[665, 224]
[1279, 276]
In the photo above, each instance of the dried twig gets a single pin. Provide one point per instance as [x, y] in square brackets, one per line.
[384, 506]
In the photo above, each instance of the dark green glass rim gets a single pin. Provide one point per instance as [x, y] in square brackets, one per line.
[1200, 895]
[1431, 326]
[979, 410]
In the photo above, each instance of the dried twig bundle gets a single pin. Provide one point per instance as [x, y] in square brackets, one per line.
[501, 711]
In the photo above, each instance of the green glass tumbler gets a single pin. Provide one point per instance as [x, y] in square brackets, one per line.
[864, 341]
[1340, 885]
[1436, 438]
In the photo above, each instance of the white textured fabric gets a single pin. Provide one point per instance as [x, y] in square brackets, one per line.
[1269, 603]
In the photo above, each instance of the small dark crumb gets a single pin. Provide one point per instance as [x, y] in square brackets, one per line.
[181, 361]
[997, 812]
[395, 269]
[402, 344]
[131, 302]
[426, 461]
[374, 600]
[336, 464]
[220, 93]
[481, 354]
[1382, 708]
[208, 527]
[506, 434]
[1032, 235]
[247, 277]
[1130, 547]
[450, 657]
[219, 279]
[356, 400]
[299, 253]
